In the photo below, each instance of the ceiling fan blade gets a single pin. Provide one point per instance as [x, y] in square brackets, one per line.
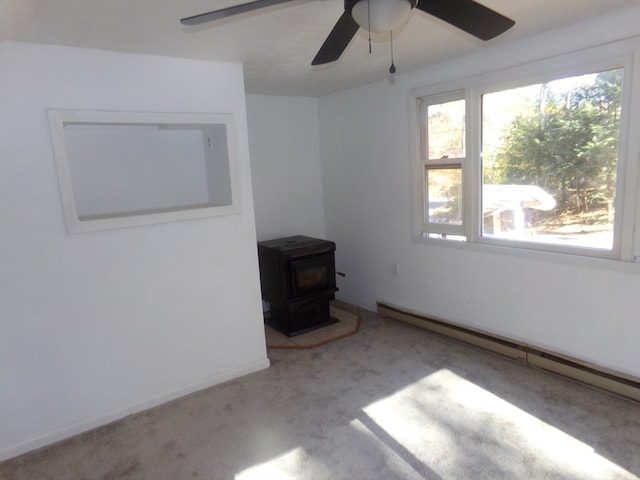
[230, 11]
[468, 15]
[339, 37]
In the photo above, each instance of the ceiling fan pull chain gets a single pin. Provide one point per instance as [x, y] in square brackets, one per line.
[369, 18]
[392, 68]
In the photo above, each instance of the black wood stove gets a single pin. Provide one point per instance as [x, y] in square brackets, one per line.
[298, 280]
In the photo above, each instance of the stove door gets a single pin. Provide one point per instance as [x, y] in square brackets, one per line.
[313, 274]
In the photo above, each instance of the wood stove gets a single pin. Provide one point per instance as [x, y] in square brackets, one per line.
[297, 276]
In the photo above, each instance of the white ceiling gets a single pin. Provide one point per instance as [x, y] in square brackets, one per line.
[275, 44]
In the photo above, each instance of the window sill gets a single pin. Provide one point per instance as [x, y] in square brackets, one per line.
[573, 259]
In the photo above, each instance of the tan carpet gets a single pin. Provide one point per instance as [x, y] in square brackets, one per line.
[392, 402]
[348, 324]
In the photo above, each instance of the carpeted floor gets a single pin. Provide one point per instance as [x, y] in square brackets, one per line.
[392, 402]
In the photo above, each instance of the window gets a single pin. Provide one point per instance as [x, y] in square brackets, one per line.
[549, 161]
[444, 152]
[530, 164]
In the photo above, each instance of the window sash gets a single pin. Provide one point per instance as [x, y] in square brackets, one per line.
[613, 253]
[443, 227]
[433, 164]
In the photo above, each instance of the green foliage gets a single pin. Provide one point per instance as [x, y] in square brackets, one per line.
[566, 143]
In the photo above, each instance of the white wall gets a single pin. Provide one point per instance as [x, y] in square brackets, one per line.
[94, 326]
[284, 140]
[588, 310]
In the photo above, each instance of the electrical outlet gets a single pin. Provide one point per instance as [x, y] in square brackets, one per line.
[395, 269]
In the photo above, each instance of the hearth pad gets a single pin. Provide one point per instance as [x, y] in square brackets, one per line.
[348, 324]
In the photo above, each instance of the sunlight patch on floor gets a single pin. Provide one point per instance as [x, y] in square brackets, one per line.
[445, 420]
[441, 426]
[288, 466]
[395, 455]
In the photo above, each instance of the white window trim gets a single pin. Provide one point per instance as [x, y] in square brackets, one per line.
[624, 54]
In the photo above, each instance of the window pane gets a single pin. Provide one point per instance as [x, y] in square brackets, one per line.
[444, 192]
[549, 161]
[445, 130]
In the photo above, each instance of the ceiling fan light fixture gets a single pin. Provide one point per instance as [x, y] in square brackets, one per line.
[380, 15]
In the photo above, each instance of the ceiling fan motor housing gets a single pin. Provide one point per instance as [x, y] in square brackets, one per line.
[379, 15]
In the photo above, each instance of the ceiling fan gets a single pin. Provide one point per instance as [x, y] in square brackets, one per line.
[382, 15]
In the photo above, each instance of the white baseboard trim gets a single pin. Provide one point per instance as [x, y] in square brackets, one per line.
[571, 368]
[100, 420]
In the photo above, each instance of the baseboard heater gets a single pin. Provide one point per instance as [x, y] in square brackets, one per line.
[583, 372]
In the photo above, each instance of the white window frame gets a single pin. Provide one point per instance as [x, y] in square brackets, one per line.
[441, 163]
[624, 54]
